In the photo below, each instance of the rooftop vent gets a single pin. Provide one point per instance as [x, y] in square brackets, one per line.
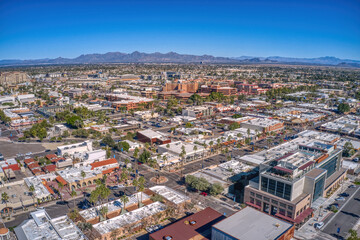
[167, 237]
[192, 223]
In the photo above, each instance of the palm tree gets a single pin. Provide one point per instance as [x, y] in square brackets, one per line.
[141, 185]
[211, 143]
[103, 211]
[5, 198]
[124, 199]
[73, 195]
[165, 160]
[32, 190]
[141, 190]
[60, 186]
[195, 148]
[83, 175]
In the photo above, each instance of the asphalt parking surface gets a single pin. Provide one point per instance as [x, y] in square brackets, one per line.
[347, 217]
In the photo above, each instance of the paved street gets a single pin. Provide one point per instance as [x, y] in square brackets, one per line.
[346, 218]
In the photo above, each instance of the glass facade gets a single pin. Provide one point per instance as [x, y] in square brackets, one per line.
[330, 165]
[276, 188]
[319, 188]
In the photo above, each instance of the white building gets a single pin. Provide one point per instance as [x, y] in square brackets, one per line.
[192, 151]
[75, 148]
[41, 226]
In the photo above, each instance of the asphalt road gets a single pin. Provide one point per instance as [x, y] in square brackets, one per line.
[347, 217]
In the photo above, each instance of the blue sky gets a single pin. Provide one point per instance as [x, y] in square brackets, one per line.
[52, 28]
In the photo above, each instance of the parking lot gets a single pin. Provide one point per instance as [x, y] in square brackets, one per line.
[338, 224]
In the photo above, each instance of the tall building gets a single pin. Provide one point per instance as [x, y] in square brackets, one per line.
[13, 78]
[288, 184]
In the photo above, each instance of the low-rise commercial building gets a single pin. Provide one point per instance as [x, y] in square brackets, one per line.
[250, 224]
[150, 136]
[196, 226]
[129, 222]
[42, 226]
[71, 149]
[198, 111]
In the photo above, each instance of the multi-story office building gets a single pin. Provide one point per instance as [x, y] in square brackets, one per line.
[289, 184]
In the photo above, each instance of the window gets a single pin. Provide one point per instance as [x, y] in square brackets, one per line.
[289, 214]
[280, 189]
[258, 203]
[264, 184]
[252, 199]
[318, 188]
[282, 211]
[266, 207]
[272, 186]
[274, 202]
[287, 193]
[266, 199]
[290, 207]
[258, 196]
[252, 194]
[330, 165]
[283, 205]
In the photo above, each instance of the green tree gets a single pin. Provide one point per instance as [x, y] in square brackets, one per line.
[124, 199]
[5, 198]
[75, 121]
[234, 126]
[216, 189]
[103, 211]
[343, 108]
[353, 235]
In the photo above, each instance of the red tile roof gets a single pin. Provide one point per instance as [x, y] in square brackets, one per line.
[47, 187]
[37, 171]
[28, 161]
[33, 165]
[50, 156]
[61, 180]
[109, 170]
[49, 168]
[56, 159]
[103, 163]
[183, 229]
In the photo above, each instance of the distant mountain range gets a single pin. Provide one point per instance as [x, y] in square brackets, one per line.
[320, 60]
[172, 57]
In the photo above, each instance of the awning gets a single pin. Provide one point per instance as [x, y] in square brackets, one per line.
[253, 205]
[303, 215]
[285, 218]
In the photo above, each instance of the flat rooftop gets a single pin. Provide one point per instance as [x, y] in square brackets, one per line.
[250, 224]
[170, 194]
[197, 224]
[112, 206]
[41, 226]
[129, 218]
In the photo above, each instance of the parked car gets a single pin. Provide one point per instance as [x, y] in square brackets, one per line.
[340, 199]
[319, 225]
[204, 194]
[352, 186]
[336, 205]
[62, 202]
[356, 159]
[344, 194]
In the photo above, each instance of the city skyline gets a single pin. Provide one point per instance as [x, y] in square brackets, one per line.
[230, 29]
